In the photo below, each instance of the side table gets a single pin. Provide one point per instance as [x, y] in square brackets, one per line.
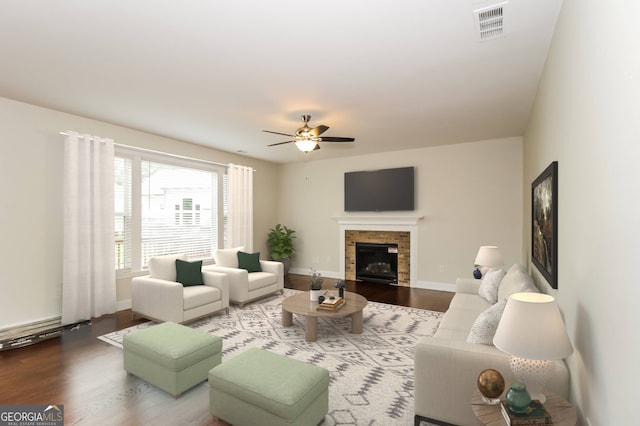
[561, 411]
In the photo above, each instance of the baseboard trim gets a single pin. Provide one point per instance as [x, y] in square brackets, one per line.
[431, 285]
[326, 274]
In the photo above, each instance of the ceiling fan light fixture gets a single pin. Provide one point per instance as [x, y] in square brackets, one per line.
[306, 145]
[306, 138]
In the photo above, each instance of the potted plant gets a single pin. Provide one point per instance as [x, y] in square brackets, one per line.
[315, 285]
[280, 240]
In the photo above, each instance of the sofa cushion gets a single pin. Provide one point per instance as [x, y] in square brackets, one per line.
[249, 261]
[462, 312]
[468, 301]
[259, 280]
[189, 273]
[451, 335]
[490, 283]
[485, 326]
[516, 280]
[458, 320]
[199, 295]
[227, 257]
[164, 267]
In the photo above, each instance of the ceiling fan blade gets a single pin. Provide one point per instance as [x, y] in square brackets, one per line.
[278, 133]
[335, 139]
[317, 131]
[280, 143]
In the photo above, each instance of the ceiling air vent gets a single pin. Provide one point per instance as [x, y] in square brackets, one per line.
[490, 21]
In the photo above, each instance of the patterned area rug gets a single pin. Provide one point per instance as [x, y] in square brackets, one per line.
[371, 374]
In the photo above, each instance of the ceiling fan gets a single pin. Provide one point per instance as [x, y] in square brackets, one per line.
[306, 138]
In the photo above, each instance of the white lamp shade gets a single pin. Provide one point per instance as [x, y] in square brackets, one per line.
[531, 327]
[306, 145]
[489, 256]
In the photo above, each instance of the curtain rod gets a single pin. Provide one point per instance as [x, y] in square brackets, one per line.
[163, 153]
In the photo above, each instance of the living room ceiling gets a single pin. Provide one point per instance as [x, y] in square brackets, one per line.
[394, 75]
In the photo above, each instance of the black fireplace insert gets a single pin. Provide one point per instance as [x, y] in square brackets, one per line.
[377, 262]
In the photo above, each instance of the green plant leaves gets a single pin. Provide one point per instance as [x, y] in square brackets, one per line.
[280, 240]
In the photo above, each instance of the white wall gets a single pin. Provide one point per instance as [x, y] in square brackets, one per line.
[31, 212]
[586, 117]
[469, 194]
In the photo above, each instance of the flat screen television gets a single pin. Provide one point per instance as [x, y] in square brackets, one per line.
[379, 190]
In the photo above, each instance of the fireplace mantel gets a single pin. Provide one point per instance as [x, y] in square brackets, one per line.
[382, 223]
[378, 220]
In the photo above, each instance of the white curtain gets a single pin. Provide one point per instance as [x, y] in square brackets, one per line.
[240, 190]
[88, 272]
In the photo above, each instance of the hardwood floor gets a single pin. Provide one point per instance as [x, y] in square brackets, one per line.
[402, 296]
[76, 367]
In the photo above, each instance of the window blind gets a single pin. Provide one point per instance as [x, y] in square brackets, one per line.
[178, 211]
[165, 206]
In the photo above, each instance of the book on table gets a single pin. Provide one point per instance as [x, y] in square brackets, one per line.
[535, 414]
[331, 304]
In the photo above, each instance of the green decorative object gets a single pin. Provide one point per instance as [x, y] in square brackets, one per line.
[249, 261]
[518, 398]
[189, 273]
[280, 241]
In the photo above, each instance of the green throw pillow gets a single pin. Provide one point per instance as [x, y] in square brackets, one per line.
[249, 261]
[189, 273]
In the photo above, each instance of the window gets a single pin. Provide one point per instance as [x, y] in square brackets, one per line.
[166, 205]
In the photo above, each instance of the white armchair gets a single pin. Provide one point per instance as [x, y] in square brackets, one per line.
[245, 286]
[158, 296]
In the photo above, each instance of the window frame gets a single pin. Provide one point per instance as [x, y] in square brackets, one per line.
[137, 156]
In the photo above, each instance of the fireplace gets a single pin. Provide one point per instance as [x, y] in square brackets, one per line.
[377, 262]
[402, 231]
[387, 238]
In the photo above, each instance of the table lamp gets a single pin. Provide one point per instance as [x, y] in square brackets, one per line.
[531, 330]
[488, 257]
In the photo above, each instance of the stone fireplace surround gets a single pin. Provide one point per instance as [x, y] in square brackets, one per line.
[401, 238]
[399, 229]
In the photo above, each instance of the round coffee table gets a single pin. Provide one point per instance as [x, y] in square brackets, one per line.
[301, 305]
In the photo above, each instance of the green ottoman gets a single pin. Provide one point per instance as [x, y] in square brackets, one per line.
[258, 387]
[171, 356]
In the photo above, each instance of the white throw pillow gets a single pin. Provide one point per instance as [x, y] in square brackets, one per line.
[517, 280]
[490, 283]
[485, 326]
[164, 267]
[227, 257]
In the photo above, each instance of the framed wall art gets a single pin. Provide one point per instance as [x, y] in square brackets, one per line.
[544, 224]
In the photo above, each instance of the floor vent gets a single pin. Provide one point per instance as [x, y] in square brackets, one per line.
[490, 21]
[29, 334]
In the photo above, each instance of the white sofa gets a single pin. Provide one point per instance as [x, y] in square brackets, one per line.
[158, 296]
[447, 365]
[246, 286]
